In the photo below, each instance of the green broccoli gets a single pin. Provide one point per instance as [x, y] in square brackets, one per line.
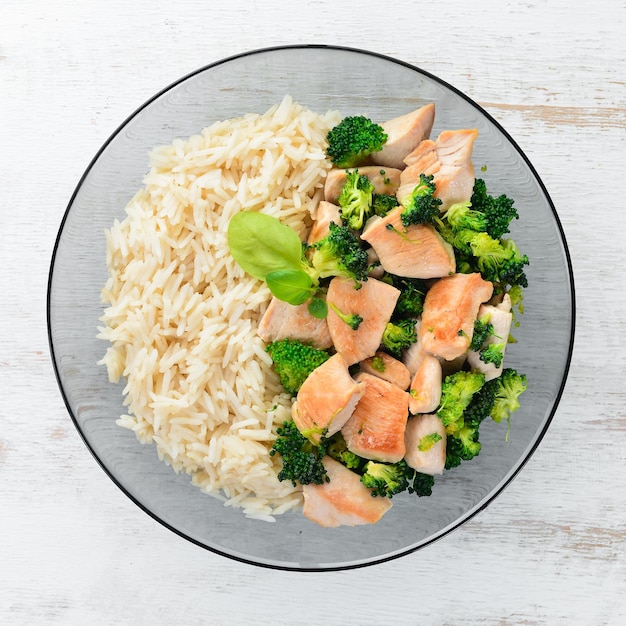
[337, 449]
[482, 329]
[355, 199]
[353, 320]
[457, 392]
[382, 203]
[398, 336]
[421, 206]
[410, 302]
[421, 484]
[294, 361]
[461, 217]
[492, 353]
[498, 211]
[301, 460]
[340, 254]
[378, 364]
[386, 479]
[428, 441]
[352, 140]
[509, 386]
[462, 446]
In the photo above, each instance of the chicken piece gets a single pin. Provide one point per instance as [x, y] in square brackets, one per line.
[433, 460]
[376, 428]
[416, 251]
[404, 133]
[449, 160]
[282, 320]
[326, 213]
[450, 308]
[501, 318]
[425, 391]
[388, 368]
[385, 179]
[374, 301]
[415, 353]
[326, 399]
[343, 501]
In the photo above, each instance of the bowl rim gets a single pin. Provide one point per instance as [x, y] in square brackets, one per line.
[468, 515]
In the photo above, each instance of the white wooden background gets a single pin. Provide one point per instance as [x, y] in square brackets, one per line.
[550, 550]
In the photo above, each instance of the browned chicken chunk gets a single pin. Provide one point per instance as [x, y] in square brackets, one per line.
[416, 251]
[326, 399]
[388, 368]
[404, 133]
[343, 501]
[450, 308]
[449, 160]
[376, 428]
[282, 320]
[425, 391]
[385, 180]
[374, 301]
[430, 460]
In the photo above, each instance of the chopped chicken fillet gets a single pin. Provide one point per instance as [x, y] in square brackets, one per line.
[388, 368]
[285, 321]
[449, 160]
[374, 301]
[433, 460]
[326, 399]
[416, 251]
[325, 214]
[343, 501]
[385, 180]
[376, 428]
[450, 308]
[404, 133]
[425, 391]
[501, 317]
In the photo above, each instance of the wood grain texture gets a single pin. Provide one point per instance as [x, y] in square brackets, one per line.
[550, 550]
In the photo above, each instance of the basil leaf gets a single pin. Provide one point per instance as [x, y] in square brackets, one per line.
[318, 308]
[261, 244]
[292, 286]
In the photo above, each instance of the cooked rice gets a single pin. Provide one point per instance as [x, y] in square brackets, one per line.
[181, 315]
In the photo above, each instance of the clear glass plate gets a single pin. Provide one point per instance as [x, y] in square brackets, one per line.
[321, 78]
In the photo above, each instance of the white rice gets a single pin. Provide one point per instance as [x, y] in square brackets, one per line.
[181, 316]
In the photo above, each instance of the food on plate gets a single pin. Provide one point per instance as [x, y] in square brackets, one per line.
[312, 311]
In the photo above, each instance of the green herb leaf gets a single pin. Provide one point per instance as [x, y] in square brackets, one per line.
[261, 244]
[318, 308]
[292, 286]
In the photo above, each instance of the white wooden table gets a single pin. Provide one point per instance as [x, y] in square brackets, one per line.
[550, 550]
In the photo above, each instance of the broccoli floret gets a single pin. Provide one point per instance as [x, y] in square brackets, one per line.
[480, 406]
[337, 449]
[353, 320]
[410, 303]
[498, 211]
[421, 206]
[509, 386]
[421, 484]
[482, 329]
[302, 461]
[294, 361]
[386, 479]
[352, 140]
[355, 199]
[378, 364]
[460, 217]
[382, 203]
[457, 392]
[492, 353]
[462, 446]
[499, 262]
[428, 441]
[340, 254]
[398, 336]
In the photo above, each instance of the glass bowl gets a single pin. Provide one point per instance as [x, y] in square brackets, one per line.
[321, 78]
